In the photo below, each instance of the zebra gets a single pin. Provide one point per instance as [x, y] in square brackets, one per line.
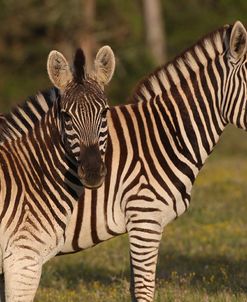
[157, 145]
[46, 160]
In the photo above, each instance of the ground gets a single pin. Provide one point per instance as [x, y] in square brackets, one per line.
[203, 255]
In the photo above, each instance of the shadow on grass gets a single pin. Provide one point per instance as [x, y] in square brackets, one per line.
[209, 274]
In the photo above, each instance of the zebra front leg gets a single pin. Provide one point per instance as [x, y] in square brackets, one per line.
[22, 275]
[144, 238]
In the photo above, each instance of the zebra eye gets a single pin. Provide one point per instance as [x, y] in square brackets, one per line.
[104, 111]
[67, 118]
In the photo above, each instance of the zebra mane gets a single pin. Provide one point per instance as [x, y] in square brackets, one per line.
[79, 66]
[208, 47]
[22, 118]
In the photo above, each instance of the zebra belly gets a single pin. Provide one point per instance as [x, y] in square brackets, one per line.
[91, 223]
[96, 218]
[84, 232]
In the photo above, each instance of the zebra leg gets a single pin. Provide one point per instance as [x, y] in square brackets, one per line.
[22, 275]
[144, 238]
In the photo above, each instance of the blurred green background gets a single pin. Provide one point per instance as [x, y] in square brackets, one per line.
[203, 255]
[31, 28]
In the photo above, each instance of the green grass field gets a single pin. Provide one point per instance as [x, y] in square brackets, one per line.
[203, 255]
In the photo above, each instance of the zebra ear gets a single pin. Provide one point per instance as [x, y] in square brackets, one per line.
[238, 40]
[104, 65]
[58, 70]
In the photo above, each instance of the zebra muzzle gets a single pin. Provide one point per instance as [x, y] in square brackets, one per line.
[92, 179]
[91, 168]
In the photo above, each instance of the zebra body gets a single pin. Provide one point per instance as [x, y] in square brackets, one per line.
[129, 189]
[157, 146]
[44, 163]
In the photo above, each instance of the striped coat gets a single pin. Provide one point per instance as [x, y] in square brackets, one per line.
[42, 172]
[158, 145]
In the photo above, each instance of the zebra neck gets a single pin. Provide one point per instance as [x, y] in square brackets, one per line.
[187, 110]
[186, 96]
[41, 150]
[63, 161]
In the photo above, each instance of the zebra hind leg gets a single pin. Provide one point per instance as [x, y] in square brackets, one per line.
[144, 238]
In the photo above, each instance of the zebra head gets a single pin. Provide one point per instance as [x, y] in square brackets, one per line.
[83, 110]
[234, 105]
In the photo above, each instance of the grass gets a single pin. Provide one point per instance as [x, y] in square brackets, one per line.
[203, 255]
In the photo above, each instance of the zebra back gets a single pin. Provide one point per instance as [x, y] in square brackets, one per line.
[22, 118]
